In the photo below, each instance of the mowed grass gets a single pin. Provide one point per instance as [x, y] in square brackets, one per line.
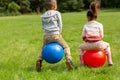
[21, 38]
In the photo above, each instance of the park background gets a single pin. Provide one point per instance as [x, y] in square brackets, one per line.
[21, 40]
[17, 7]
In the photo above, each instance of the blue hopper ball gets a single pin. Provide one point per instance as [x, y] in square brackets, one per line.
[52, 52]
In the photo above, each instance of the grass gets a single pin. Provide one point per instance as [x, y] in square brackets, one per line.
[21, 40]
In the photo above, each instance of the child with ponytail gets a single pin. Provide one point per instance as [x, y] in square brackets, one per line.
[92, 35]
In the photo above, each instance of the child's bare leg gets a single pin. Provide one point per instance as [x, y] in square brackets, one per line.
[109, 56]
[81, 57]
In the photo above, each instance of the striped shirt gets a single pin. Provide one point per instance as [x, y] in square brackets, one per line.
[92, 31]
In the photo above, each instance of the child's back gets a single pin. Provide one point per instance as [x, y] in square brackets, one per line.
[52, 27]
[92, 31]
[51, 22]
[92, 35]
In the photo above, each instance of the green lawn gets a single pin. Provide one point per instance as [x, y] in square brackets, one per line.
[21, 40]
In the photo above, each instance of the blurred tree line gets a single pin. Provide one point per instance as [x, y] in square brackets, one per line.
[16, 7]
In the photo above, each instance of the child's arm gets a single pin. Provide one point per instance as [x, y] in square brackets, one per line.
[83, 34]
[60, 22]
[101, 31]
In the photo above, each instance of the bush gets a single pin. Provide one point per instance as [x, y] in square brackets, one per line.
[25, 6]
[87, 3]
[13, 8]
[2, 9]
[70, 5]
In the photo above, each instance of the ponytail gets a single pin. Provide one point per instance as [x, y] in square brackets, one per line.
[93, 12]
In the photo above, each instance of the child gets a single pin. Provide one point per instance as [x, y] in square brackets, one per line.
[92, 35]
[52, 26]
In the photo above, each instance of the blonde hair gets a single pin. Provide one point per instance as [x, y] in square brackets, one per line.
[50, 3]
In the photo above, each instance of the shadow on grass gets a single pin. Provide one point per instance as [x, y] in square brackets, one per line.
[58, 67]
[30, 68]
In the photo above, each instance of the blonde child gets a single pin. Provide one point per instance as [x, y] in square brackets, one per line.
[52, 27]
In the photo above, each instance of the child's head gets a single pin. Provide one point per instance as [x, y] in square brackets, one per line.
[93, 12]
[51, 4]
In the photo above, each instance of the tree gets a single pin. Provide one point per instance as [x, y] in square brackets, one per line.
[13, 8]
[37, 5]
[10, 7]
[110, 3]
[24, 6]
[69, 5]
[87, 3]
